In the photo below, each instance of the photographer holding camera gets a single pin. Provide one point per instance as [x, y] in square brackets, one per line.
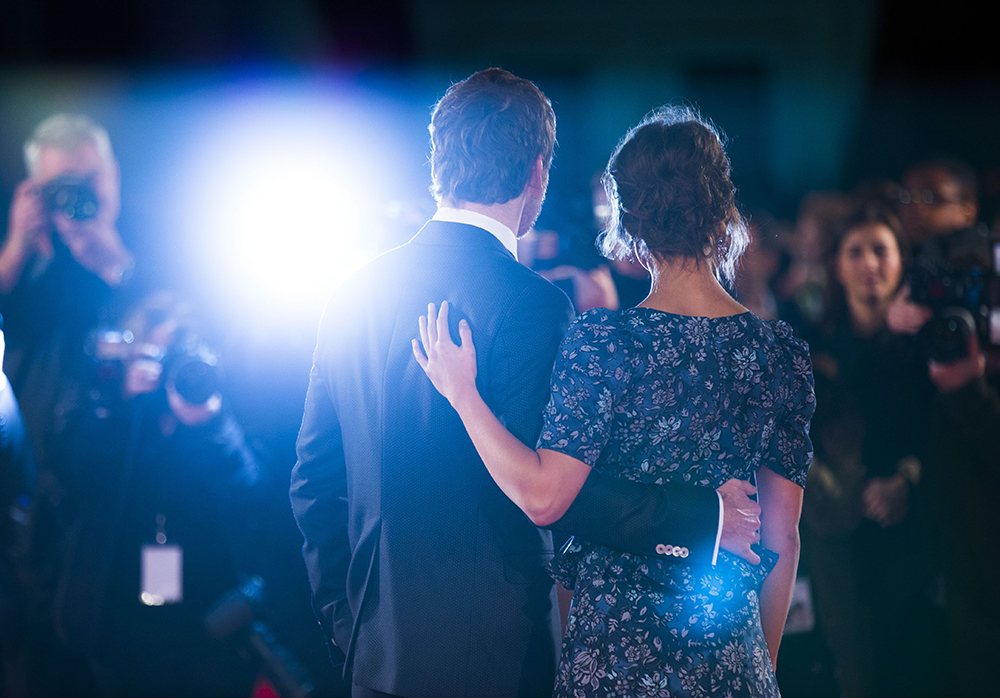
[951, 304]
[62, 269]
[61, 266]
[159, 494]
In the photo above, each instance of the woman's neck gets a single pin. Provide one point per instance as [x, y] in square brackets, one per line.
[683, 286]
[867, 315]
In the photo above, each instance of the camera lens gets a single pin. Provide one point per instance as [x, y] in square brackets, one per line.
[946, 336]
[73, 197]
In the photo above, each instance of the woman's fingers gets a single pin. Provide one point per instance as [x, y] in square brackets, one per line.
[435, 337]
[465, 334]
[424, 336]
[421, 359]
[444, 335]
[432, 323]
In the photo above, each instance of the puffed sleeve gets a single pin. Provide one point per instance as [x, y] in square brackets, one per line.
[790, 451]
[587, 382]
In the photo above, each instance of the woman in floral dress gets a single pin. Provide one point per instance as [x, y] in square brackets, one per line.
[689, 386]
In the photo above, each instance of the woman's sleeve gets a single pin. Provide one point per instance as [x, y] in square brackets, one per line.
[587, 379]
[790, 450]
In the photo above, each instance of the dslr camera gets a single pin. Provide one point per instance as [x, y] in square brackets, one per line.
[965, 301]
[189, 364]
[70, 195]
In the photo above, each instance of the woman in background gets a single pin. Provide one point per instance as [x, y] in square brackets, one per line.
[688, 387]
[869, 576]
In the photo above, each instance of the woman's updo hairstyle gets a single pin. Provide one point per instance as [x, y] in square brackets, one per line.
[671, 195]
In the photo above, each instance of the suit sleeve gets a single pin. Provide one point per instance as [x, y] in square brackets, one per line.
[318, 495]
[621, 514]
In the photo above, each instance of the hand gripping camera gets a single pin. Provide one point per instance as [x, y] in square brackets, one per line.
[965, 301]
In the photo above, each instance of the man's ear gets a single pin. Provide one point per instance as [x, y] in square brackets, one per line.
[539, 178]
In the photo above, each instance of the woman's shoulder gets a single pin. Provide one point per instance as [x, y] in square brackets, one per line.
[779, 337]
[599, 344]
[597, 325]
[783, 357]
[790, 368]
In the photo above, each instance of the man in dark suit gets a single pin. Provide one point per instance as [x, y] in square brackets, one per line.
[429, 580]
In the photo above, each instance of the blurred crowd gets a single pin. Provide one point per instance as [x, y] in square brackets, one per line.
[130, 495]
[895, 287]
[133, 502]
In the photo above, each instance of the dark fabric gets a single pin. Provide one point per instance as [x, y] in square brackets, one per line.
[429, 579]
[362, 692]
[117, 472]
[964, 464]
[650, 396]
[870, 584]
[48, 318]
[643, 516]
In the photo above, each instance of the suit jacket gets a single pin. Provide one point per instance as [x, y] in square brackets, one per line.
[424, 574]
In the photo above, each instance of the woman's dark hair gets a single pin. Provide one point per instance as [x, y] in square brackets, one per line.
[670, 193]
[865, 213]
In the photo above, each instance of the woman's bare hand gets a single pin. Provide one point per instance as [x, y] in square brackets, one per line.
[451, 368]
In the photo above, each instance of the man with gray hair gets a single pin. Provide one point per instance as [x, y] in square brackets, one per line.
[73, 190]
[60, 263]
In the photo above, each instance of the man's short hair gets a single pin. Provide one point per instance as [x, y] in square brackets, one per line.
[66, 132]
[486, 134]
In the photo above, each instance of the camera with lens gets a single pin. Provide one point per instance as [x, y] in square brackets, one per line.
[190, 366]
[965, 301]
[72, 196]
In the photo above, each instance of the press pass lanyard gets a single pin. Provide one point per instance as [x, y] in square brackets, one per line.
[162, 570]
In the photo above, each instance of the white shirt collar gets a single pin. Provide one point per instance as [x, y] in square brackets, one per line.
[461, 215]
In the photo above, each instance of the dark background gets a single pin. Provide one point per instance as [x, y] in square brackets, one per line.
[814, 94]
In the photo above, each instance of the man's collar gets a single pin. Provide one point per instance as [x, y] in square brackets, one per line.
[461, 215]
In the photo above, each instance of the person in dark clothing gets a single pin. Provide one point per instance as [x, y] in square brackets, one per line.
[61, 267]
[864, 525]
[427, 578]
[963, 465]
[158, 498]
[940, 210]
[63, 271]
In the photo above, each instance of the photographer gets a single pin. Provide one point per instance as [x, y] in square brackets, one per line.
[952, 255]
[940, 207]
[158, 490]
[61, 266]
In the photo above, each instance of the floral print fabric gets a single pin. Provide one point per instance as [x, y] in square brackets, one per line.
[656, 397]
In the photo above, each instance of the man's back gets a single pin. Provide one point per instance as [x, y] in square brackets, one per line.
[445, 581]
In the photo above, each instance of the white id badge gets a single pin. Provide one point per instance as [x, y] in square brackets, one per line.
[162, 575]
